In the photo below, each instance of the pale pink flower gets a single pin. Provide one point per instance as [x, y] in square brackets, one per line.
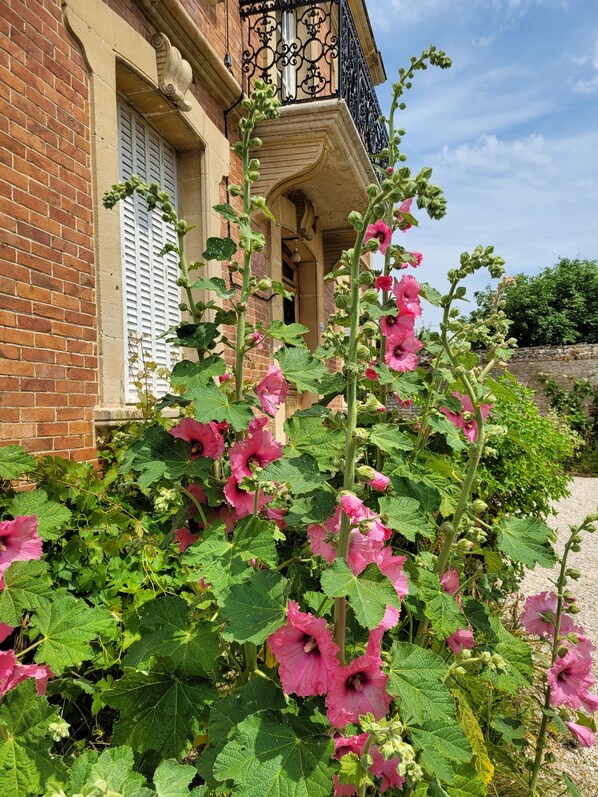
[404, 207]
[257, 450]
[363, 550]
[568, 678]
[462, 639]
[383, 283]
[318, 536]
[584, 735]
[401, 354]
[272, 390]
[407, 294]
[242, 501]
[306, 653]
[379, 482]
[539, 614]
[355, 690]
[354, 508]
[185, 538]
[5, 631]
[204, 438]
[381, 232]
[12, 673]
[589, 702]
[450, 581]
[19, 541]
[257, 339]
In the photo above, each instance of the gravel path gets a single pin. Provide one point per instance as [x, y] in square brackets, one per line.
[580, 763]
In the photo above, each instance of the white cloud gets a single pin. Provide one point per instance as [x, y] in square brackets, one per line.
[595, 58]
[586, 86]
[489, 154]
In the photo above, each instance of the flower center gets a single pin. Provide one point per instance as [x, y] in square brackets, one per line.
[2, 547]
[390, 320]
[356, 682]
[196, 447]
[380, 236]
[398, 351]
[254, 461]
[310, 645]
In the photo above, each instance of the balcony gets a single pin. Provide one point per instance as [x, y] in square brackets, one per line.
[328, 133]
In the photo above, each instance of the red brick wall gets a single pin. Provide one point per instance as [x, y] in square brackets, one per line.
[48, 336]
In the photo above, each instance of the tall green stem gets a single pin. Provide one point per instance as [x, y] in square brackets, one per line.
[244, 299]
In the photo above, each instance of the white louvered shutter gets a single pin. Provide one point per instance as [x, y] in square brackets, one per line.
[151, 295]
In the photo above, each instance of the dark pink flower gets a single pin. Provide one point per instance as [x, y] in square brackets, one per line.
[461, 640]
[466, 422]
[568, 678]
[404, 207]
[386, 770]
[392, 567]
[185, 538]
[224, 377]
[277, 515]
[414, 259]
[383, 283]
[370, 373]
[5, 631]
[381, 232]
[19, 541]
[12, 673]
[355, 690]
[539, 614]
[354, 508]
[255, 451]
[584, 735]
[407, 294]
[450, 581]
[228, 516]
[401, 353]
[402, 402]
[379, 482]
[306, 653]
[272, 390]
[242, 501]
[204, 438]
[397, 326]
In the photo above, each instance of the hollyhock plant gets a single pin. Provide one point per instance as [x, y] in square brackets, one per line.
[356, 690]
[19, 541]
[5, 631]
[469, 426]
[569, 677]
[406, 292]
[306, 653]
[185, 538]
[584, 735]
[404, 207]
[205, 439]
[381, 232]
[461, 640]
[272, 390]
[12, 673]
[257, 450]
[539, 614]
[242, 501]
[401, 353]
[383, 283]
[380, 482]
[397, 325]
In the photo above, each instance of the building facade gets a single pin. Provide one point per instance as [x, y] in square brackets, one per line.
[97, 90]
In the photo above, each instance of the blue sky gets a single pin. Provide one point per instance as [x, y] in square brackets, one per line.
[511, 130]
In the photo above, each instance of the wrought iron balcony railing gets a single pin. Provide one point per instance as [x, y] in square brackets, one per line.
[311, 51]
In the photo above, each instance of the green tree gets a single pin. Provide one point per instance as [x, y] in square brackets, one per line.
[556, 307]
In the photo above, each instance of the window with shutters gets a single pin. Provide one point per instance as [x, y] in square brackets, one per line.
[151, 295]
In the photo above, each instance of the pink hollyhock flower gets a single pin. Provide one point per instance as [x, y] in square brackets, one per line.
[306, 652]
[584, 735]
[469, 426]
[383, 283]
[402, 402]
[185, 538]
[317, 539]
[354, 508]
[401, 354]
[397, 326]
[5, 631]
[415, 260]
[242, 501]
[257, 450]
[343, 789]
[363, 550]
[539, 614]
[461, 640]
[407, 294]
[370, 373]
[272, 390]
[12, 673]
[224, 378]
[355, 690]
[343, 746]
[257, 339]
[277, 515]
[226, 515]
[386, 770]
[450, 581]
[19, 541]
[379, 482]
[392, 567]
[404, 207]
[381, 232]
[204, 438]
[589, 702]
[568, 678]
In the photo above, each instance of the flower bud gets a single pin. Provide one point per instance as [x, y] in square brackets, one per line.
[371, 295]
[574, 574]
[479, 505]
[264, 284]
[573, 609]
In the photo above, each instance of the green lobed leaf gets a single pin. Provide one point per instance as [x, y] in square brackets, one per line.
[440, 423]
[172, 779]
[517, 656]
[307, 434]
[404, 515]
[192, 375]
[67, 626]
[440, 608]
[301, 369]
[300, 473]
[466, 784]
[316, 508]
[255, 608]
[388, 438]
[195, 336]
[369, 593]
[416, 680]
[442, 744]
[14, 462]
[276, 756]
[114, 766]
[222, 559]
[159, 455]
[219, 249]
[159, 709]
[216, 284]
[430, 294]
[291, 334]
[227, 211]
[25, 759]
[212, 404]
[51, 515]
[166, 630]
[27, 586]
[527, 540]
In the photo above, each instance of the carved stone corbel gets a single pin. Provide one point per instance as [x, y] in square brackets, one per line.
[305, 213]
[174, 73]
